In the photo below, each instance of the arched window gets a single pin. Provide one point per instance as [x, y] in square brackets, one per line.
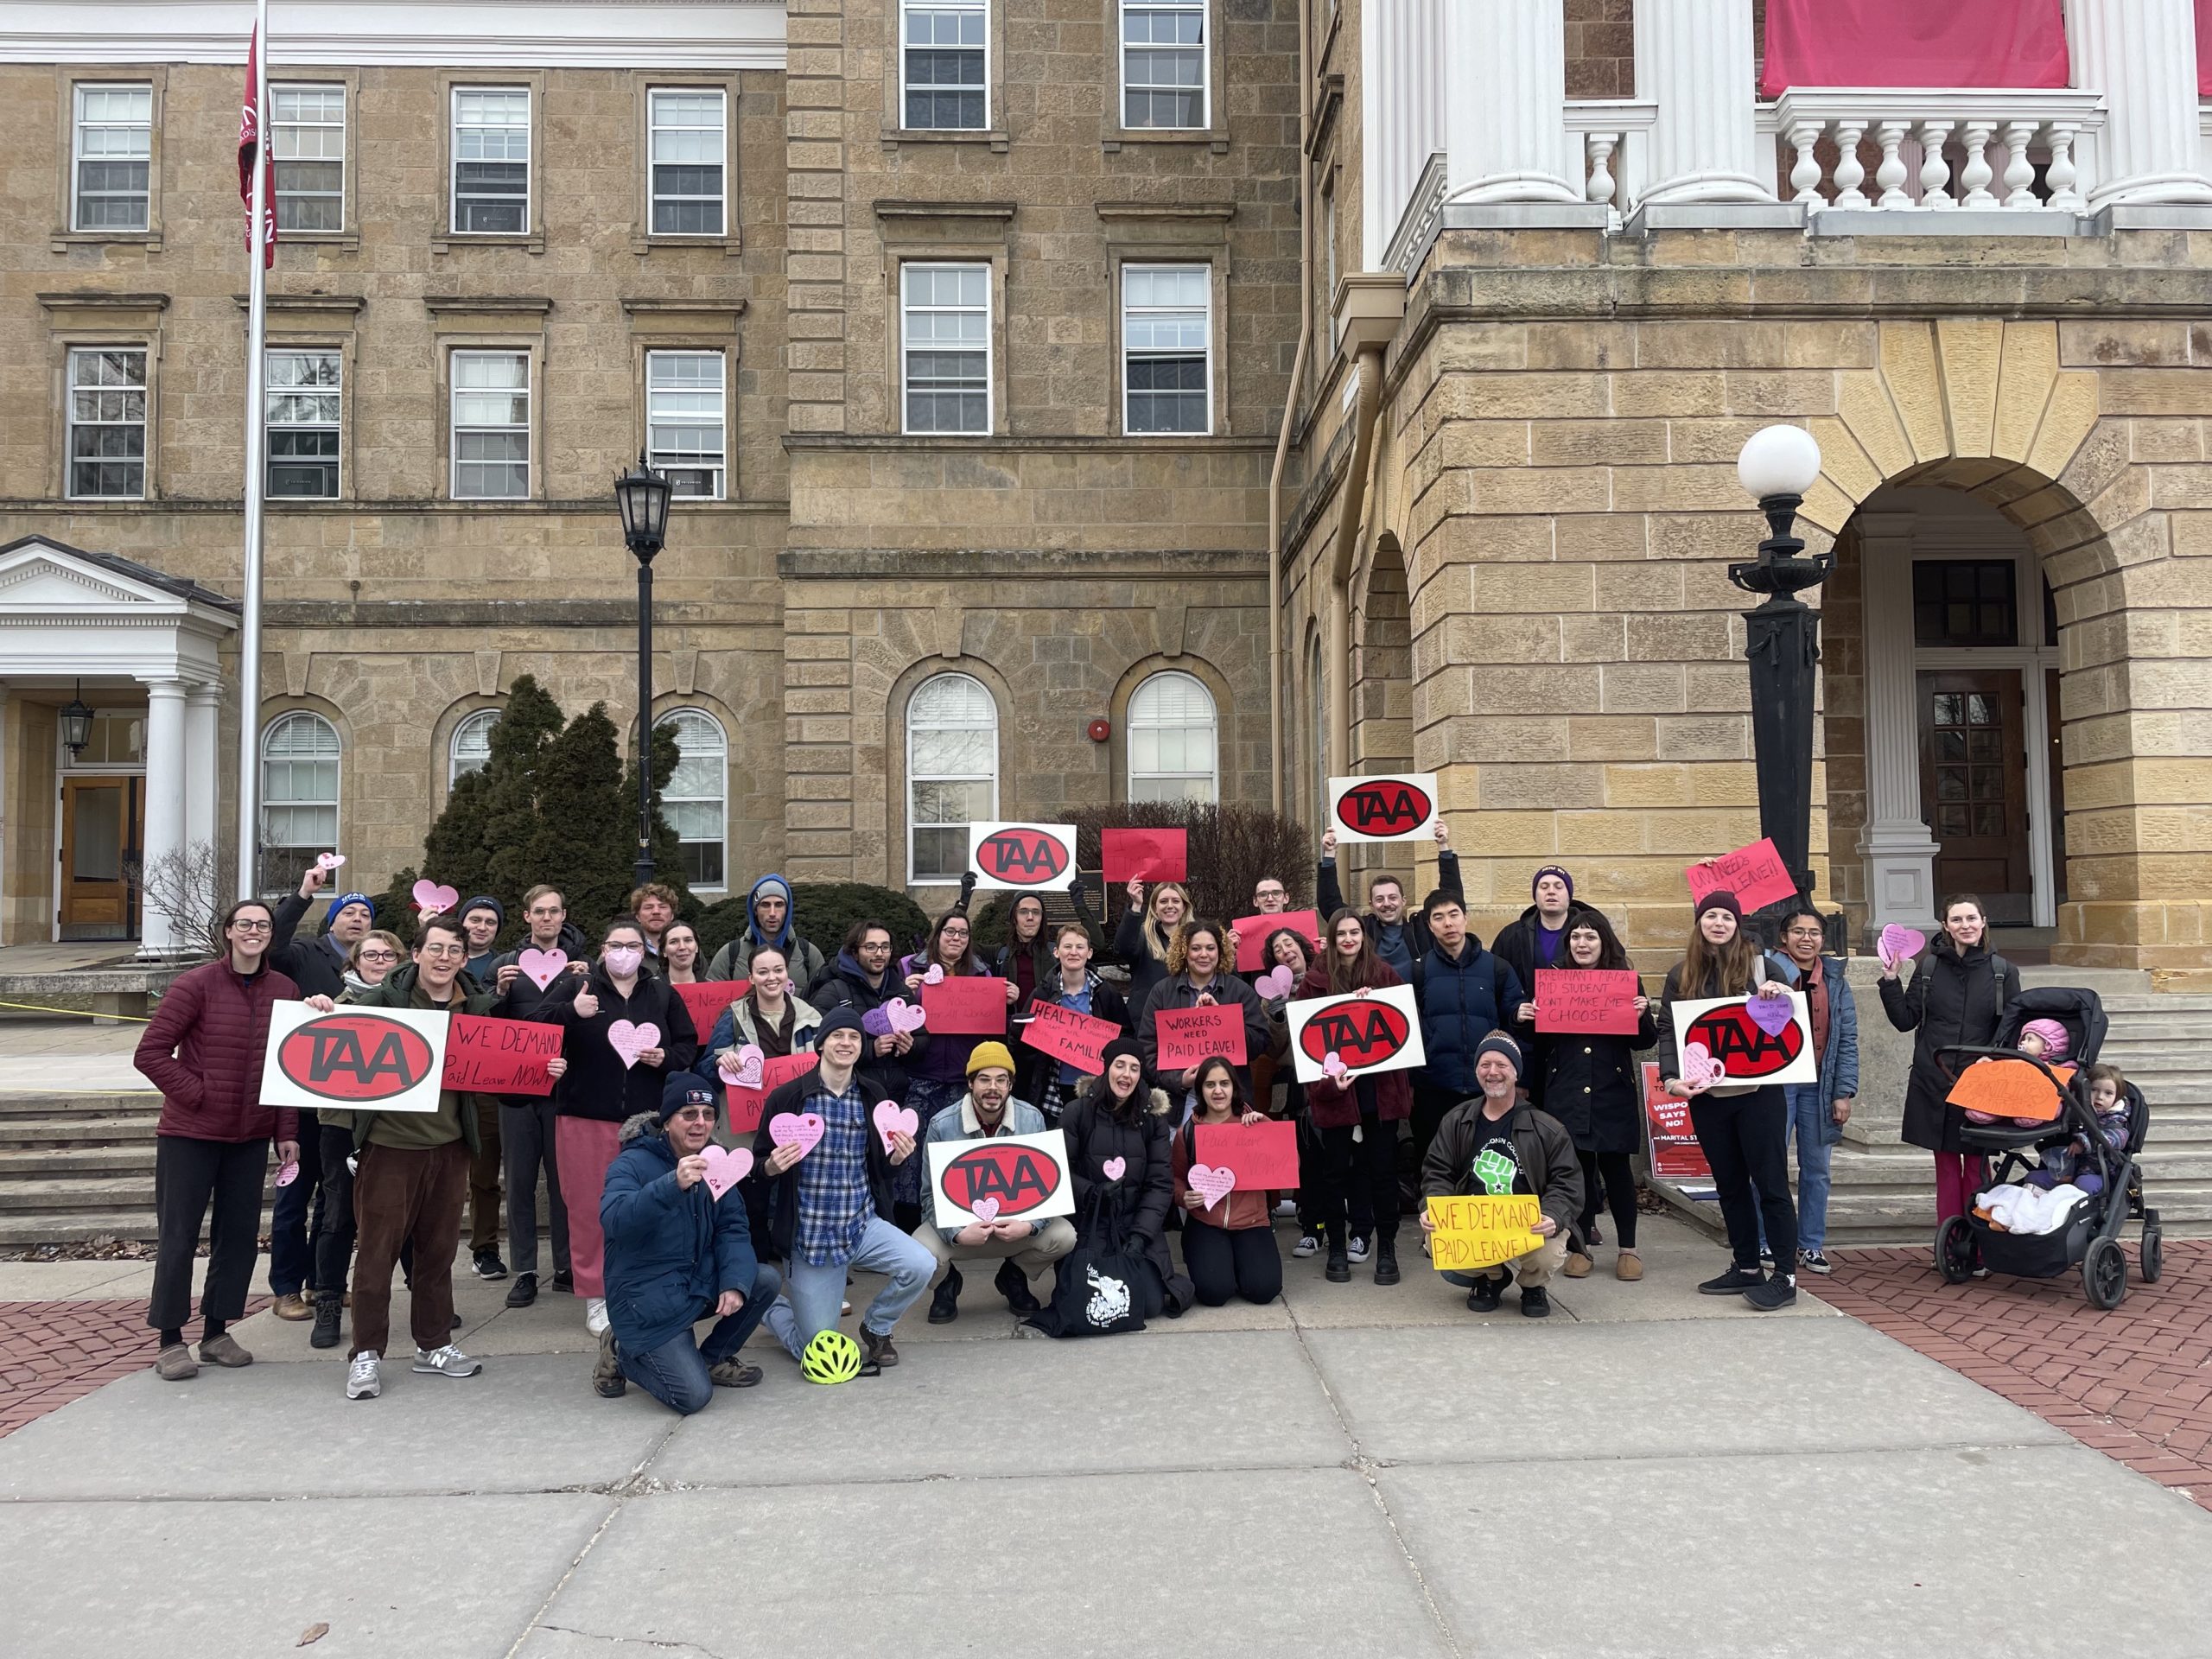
[1174, 744]
[299, 796]
[695, 800]
[472, 744]
[952, 772]
[1318, 689]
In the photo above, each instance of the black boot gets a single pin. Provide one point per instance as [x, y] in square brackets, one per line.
[1339, 1271]
[1386, 1259]
[944, 1306]
[325, 1334]
[1013, 1285]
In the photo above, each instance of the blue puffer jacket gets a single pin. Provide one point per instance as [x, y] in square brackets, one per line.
[1462, 1002]
[670, 1253]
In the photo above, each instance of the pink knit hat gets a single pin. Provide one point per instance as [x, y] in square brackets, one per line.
[2055, 1040]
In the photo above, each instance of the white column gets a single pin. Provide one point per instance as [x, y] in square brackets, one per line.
[2141, 55]
[1899, 852]
[200, 774]
[165, 794]
[1505, 92]
[1693, 59]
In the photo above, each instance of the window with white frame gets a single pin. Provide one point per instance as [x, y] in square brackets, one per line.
[107, 423]
[1166, 359]
[943, 64]
[491, 426]
[946, 332]
[1164, 71]
[308, 136]
[299, 796]
[952, 772]
[490, 160]
[687, 421]
[695, 799]
[689, 142]
[304, 398]
[1174, 744]
[111, 174]
[470, 747]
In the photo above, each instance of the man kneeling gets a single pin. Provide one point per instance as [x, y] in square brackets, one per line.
[676, 1255]
[1499, 1144]
[1020, 1248]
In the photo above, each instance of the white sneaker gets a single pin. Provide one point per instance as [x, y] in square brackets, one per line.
[1357, 1248]
[365, 1381]
[1306, 1245]
[595, 1315]
[447, 1361]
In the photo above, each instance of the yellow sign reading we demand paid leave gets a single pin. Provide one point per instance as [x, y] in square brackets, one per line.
[1475, 1230]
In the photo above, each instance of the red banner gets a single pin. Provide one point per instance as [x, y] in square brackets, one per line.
[2013, 43]
[1079, 1039]
[1189, 1035]
[1253, 933]
[965, 1007]
[1754, 874]
[745, 1104]
[1600, 1000]
[1145, 854]
[1675, 1154]
[708, 1001]
[1263, 1155]
[499, 1057]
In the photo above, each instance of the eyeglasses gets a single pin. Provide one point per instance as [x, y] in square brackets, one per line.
[380, 956]
[243, 927]
[546, 915]
[1807, 933]
[696, 1114]
[444, 949]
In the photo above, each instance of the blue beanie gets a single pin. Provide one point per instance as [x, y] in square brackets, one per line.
[345, 898]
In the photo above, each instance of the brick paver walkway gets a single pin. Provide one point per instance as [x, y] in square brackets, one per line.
[2136, 1383]
[54, 1352]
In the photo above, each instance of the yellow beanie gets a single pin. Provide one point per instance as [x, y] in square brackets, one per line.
[989, 1054]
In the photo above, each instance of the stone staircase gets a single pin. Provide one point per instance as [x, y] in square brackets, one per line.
[76, 1167]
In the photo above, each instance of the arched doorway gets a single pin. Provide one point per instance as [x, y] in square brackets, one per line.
[1382, 648]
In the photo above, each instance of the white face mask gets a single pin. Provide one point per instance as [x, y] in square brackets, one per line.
[624, 959]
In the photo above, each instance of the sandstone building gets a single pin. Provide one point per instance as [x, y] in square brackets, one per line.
[968, 328]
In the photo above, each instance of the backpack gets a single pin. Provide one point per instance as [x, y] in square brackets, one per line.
[1106, 1284]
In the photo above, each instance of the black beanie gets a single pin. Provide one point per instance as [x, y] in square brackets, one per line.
[684, 1089]
[1718, 898]
[1498, 1043]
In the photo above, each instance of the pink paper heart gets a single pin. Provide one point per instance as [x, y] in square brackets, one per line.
[1333, 1067]
[630, 1040]
[430, 898]
[542, 967]
[328, 861]
[1771, 1014]
[936, 975]
[287, 1173]
[986, 1209]
[1114, 1169]
[1699, 1070]
[1899, 945]
[745, 1067]
[892, 1118]
[725, 1169]
[1210, 1183]
[800, 1129]
[903, 1015]
[1276, 983]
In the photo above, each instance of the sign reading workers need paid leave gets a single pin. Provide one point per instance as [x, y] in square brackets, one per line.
[354, 1060]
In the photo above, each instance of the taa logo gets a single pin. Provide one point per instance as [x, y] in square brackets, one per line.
[1361, 1032]
[1388, 806]
[1745, 1052]
[355, 1058]
[1020, 1177]
[1029, 856]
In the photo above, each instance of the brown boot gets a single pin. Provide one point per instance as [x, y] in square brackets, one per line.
[294, 1307]
[1628, 1267]
[1578, 1265]
[878, 1349]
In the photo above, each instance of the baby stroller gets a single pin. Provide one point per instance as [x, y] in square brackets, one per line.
[2090, 1238]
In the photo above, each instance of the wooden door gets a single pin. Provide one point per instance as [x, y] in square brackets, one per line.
[1974, 788]
[2057, 819]
[100, 825]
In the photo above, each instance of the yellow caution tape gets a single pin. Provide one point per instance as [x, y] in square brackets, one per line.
[33, 1008]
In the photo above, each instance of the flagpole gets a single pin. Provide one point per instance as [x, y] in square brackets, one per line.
[256, 414]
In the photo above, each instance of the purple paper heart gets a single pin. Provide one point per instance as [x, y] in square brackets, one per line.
[1771, 1014]
[876, 1023]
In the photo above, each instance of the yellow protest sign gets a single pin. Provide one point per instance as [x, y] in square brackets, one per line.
[1478, 1231]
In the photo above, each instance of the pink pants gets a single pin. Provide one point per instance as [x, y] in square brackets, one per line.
[583, 1147]
[1959, 1176]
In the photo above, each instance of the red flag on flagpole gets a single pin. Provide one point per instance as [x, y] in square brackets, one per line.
[249, 147]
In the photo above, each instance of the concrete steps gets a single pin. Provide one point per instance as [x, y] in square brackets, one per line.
[76, 1167]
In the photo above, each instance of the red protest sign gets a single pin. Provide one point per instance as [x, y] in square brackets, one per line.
[1189, 1035]
[499, 1057]
[708, 1001]
[745, 1104]
[1253, 933]
[962, 1007]
[1080, 1039]
[1262, 1154]
[1145, 854]
[1675, 1154]
[1600, 1000]
[1754, 874]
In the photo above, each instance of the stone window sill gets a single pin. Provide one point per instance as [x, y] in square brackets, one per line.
[61, 241]
[446, 242]
[1213, 139]
[996, 137]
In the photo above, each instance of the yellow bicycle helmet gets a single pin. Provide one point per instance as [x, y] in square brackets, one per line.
[832, 1356]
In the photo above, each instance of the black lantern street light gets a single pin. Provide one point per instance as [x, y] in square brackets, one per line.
[76, 721]
[642, 494]
[1783, 640]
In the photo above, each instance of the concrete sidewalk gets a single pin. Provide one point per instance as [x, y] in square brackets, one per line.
[1356, 1470]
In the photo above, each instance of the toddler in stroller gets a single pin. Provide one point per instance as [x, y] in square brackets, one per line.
[2074, 1159]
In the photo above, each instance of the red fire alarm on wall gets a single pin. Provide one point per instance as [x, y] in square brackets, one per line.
[1101, 730]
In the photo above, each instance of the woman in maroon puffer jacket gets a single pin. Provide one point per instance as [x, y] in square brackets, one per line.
[1373, 1105]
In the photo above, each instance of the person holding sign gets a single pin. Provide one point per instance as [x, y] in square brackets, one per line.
[1819, 1110]
[1400, 940]
[771, 1016]
[1465, 992]
[1147, 933]
[1229, 1239]
[937, 1074]
[1357, 1115]
[559, 957]
[1538, 939]
[863, 979]
[1021, 1249]
[1594, 1087]
[1049, 1082]
[1499, 1144]
[1743, 1128]
[1119, 1160]
[1198, 977]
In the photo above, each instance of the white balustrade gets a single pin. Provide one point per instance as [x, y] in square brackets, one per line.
[1612, 167]
[1936, 147]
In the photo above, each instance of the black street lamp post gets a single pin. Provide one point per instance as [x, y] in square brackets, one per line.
[642, 494]
[1783, 642]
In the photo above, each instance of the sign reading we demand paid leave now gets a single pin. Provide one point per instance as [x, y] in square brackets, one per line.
[399, 1059]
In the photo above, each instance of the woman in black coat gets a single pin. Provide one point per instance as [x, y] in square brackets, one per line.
[1960, 994]
[1117, 1116]
[1594, 1087]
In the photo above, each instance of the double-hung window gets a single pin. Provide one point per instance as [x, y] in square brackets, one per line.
[491, 426]
[952, 772]
[943, 62]
[308, 129]
[1166, 331]
[107, 423]
[1164, 63]
[946, 334]
[304, 397]
[687, 422]
[111, 177]
[490, 160]
[690, 141]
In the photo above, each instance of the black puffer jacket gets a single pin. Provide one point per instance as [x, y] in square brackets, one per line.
[1146, 1190]
[1953, 1000]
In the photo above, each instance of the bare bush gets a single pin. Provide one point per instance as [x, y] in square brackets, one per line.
[188, 887]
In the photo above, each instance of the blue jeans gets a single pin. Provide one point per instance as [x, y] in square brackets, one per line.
[811, 1294]
[291, 1237]
[677, 1373]
[1808, 1122]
